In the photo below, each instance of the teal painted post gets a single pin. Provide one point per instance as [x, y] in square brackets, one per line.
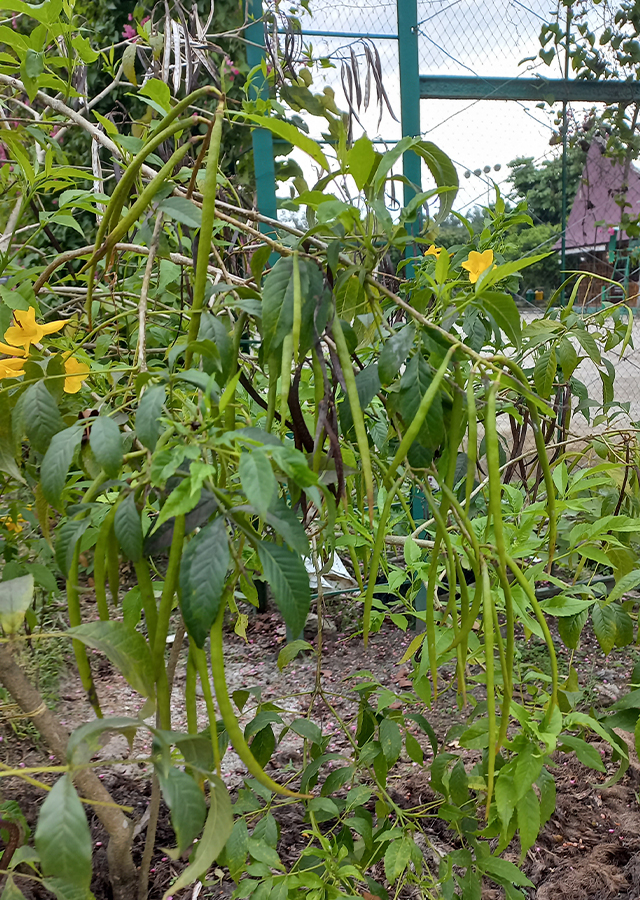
[409, 102]
[420, 605]
[263, 163]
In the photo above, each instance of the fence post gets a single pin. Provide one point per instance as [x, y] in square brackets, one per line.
[409, 100]
[262, 141]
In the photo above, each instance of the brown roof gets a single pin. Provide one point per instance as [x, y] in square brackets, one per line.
[595, 201]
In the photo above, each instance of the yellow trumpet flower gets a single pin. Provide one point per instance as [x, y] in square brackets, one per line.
[26, 331]
[477, 263]
[12, 351]
[11, 368]
[77, 372]
[433, 251]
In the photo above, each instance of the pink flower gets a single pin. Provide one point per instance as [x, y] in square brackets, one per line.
[129, 32]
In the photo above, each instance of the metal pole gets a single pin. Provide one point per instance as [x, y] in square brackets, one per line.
[409, 100]
[563, 244]
[262, 140]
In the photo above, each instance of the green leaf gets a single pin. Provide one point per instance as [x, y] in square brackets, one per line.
[236, 849]
[157, 90]
[262, 852]
[286, 575]
[290, 651]
[11, 890]
[459, 784]
[502, 308]
[148, 416]
[528, 767]
[277, 304]
[186, 804]
[43, 576]
[203, 573]
[397, 858]
[505, 796]
[367, 386]
[567, 357]
[292, 135]
[16, 595]
[180, 501]
[83, 48]
[203, 381]
[129, 63]
[547, 786]
[390, 740]
[586, 753]
[127, 526]
[588, 344]
[411, 552]
[394, 353]
[33, 64]
[603, 619]
[258, 481]
[502, 870]
[414, 384]
[439, 164]
[106, 443]
[497, 273]
[196, 748]
[67, 537]
[62, 837]
[40, 416]
[307, 729]
[544, 372]
[414, 750]
[336, 780]
[263, 745]
[358, 796]
[528, 810]
[7, 443]
[56, 462]
[361, 159]
[124, 647]
[624, 627]
[259, 259]
[182, 210]
[216, 832]
[285, 523]
[628, 582]
[85, 741]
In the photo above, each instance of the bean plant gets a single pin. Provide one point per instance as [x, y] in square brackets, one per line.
[213, 400]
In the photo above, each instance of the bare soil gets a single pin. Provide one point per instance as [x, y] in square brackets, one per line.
[590, 849]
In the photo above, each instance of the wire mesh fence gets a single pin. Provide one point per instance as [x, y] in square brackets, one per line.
[482, 39]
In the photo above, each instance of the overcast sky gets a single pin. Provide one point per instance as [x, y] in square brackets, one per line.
[456, 37]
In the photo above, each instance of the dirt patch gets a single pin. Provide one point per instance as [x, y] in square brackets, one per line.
[590, 849]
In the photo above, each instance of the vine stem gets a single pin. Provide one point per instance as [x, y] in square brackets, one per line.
[490, 677]
[144, 295]
[426, 402]
[228, 716]
[152, 827]
[206, 229]
[162, 625]
[378, 546]
[356, 412]
[495, 509]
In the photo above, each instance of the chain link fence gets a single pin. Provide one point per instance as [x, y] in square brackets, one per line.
[481, 39]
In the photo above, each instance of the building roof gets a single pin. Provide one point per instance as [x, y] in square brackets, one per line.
[595, 201]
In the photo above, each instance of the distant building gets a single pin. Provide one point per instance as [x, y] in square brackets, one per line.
[595, 241]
